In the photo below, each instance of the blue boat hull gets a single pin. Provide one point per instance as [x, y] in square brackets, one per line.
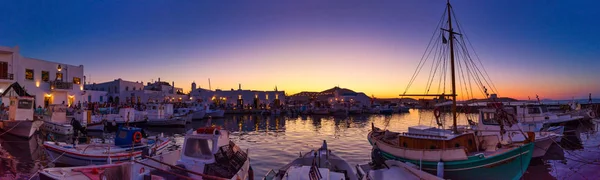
[509, 165]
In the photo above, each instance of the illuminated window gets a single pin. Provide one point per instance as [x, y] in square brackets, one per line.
[267, 96]
[76, 80]
[29, 74]
[59, 77]
[45, 76]
[240, 96]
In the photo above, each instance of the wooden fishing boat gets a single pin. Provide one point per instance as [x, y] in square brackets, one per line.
[128, 144]
[454, 154]
[316, 164]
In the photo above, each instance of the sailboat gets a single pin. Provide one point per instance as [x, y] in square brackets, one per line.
[457, 153]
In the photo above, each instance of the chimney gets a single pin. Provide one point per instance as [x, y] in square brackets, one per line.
[240, 86]
[158, 79]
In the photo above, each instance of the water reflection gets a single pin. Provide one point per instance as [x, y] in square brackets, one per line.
[575, 157]
[19, 157]
[273, 141]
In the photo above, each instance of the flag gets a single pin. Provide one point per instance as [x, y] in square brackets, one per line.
[314, 173]
[444, 40]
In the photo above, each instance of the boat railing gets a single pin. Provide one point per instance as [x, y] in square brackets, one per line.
[423, 135]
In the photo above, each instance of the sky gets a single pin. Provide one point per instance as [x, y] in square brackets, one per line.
[546, 48]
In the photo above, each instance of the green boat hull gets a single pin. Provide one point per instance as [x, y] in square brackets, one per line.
[509, 165]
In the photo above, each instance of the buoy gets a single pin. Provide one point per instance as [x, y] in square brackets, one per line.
[440, 169]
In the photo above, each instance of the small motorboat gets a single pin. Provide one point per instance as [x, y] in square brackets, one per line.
[163, 115]
[381, 169]
[132, 170]
[316, 164]
[56, 120]
[207, 153]
[128, 144]
[215, 113]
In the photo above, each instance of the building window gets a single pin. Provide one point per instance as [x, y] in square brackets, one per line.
[59, 77]
[134, 88]
[101, 98]
[116, 89]
[45, 76]
[127, 88]
[29, 74]
[76, 80]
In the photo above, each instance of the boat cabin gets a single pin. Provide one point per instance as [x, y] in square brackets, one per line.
[182, 111]
[58, 113]
[210, 151]
[127, 113]
[20, 108]
[160, 110]
[128, 136]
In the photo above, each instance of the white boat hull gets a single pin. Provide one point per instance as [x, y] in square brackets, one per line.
[198, 114]
[63, 129]
[135, 171]
[215, 113]
[95, 127]
[22, 128]
[65, 154]
[177, 122]
[542, 145]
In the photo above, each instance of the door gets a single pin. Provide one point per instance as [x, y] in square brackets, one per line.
[3, 70]
[47, 101]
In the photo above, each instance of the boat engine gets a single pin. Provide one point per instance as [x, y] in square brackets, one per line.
[78, 128]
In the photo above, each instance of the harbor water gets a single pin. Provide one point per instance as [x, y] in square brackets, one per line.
[273, 141]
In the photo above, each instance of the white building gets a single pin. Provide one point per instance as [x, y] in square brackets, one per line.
[49, 82]
[122, 91]
[164, 87]
[117, 91]
[239, 96]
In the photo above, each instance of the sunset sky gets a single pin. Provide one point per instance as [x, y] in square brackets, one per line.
[550, 48]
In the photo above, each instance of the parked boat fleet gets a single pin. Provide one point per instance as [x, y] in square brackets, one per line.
[499, 144]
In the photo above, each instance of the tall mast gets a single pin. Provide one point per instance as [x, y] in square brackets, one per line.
[450, 31]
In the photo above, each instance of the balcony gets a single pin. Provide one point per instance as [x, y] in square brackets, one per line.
[61, 86]
[6, 77]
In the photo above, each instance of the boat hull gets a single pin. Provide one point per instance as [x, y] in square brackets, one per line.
[509, 165]
[136, 171]
[72, 157]
[23, 128]
[167, 123]
[63, 129]
[198, 114]
[216, 114]
[386, 111]
[95, 127]
[541, 146]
